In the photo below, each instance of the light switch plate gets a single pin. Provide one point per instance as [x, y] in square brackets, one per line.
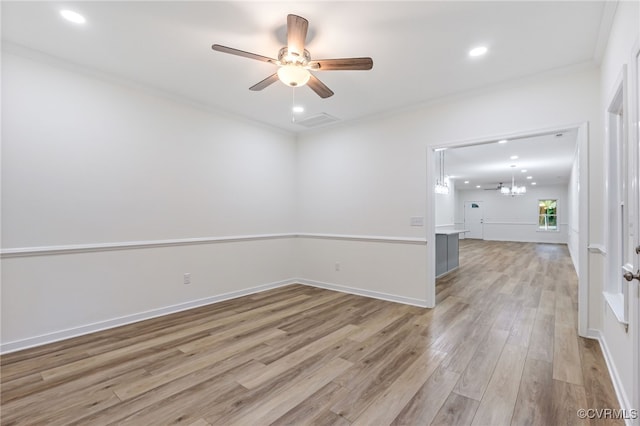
[417, 221]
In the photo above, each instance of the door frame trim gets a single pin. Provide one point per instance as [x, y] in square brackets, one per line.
[583, 210]
[634, 142]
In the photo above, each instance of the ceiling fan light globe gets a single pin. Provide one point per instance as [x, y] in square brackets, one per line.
[293, 76]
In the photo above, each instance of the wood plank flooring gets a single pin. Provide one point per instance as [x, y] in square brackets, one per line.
[501, 347]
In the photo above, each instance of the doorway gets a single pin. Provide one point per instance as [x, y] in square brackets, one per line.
[496, 192]
[473, 219]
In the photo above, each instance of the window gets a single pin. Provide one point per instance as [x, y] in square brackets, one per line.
[548, 215]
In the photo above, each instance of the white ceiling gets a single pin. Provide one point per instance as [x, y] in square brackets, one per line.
[419, 48]
[546, 158]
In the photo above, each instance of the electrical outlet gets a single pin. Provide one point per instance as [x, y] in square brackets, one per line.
[187, 278]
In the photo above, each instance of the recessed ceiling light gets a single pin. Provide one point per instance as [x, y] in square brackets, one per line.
[478, 51]
[529, 177]
[466, 181]
[503, 141]
[478, 186]
[514, 157]
[298, 109]
[523, 171]
[72, 16]
[533, 183]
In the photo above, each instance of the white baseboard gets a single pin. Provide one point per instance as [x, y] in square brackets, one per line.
[57, 336]
[594, 334]
[574, 259]
[362, 292]
[613, 373]
[129, 319]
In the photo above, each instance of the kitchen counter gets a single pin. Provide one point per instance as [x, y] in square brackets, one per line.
[447, 250]
[450, 231]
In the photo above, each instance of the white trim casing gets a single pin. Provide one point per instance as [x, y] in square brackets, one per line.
[363, 292]
[614, 145]
[623, 398]
[583, 226]
[597, 249]
[430, 228]
[367, 238]
[132, 245]
[583, 207]
[634, 128]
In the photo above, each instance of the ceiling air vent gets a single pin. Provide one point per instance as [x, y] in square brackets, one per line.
[317, 120]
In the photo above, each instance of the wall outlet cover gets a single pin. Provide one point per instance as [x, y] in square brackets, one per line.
[417, 221]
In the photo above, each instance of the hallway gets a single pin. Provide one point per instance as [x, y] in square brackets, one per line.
[525, 298]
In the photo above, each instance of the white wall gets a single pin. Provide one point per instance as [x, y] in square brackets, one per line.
[348, 185]
[617, 342]
[368, 267]
[516, 218]
[369, 177]
[88, 162]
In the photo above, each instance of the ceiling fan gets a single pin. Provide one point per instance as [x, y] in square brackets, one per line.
[497, 188]
[294, 61]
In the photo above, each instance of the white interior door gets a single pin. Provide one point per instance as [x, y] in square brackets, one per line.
[634, 241]
[629, 234]
[474, 219]
[623, 213]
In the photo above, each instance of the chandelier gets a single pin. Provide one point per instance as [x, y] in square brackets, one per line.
[514, 189]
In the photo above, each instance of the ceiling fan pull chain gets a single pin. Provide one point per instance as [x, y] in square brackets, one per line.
[293, 104]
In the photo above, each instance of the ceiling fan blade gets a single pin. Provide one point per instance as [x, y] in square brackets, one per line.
[497, 188]
[264, 83]
[232, 51]
[319, 87]
[296, 33]
[341, 64]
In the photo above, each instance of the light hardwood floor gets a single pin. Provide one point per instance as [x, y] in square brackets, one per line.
[501, 347]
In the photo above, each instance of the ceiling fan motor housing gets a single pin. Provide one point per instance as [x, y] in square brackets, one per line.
[293, 58]
[292, 71]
